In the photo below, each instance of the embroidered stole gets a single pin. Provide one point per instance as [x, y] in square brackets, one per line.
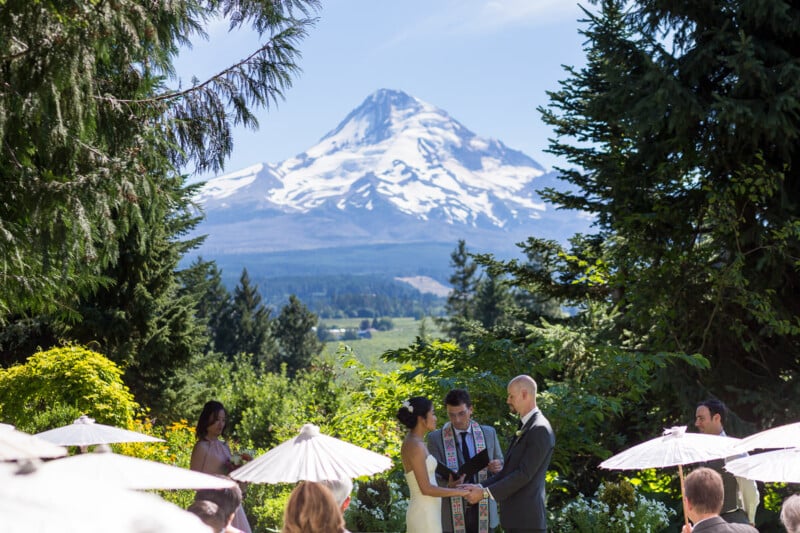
[451, 458]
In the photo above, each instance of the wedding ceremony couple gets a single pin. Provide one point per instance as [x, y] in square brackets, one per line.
[509, 488]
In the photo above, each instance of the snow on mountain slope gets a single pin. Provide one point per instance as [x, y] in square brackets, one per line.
[396, 169]
[394, 146]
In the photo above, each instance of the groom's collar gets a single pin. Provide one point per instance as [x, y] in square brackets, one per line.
[527, 416]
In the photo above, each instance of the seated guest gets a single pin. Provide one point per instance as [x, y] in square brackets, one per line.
[703, 495]
[228, 500]
[312, 509]
[790, 513]
[210, 514]
[341, 489]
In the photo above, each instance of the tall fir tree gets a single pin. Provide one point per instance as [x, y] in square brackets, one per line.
[213, 301]
[245, 326]
[459, 308]
[294, 333]
[683, 147]
[86, 104]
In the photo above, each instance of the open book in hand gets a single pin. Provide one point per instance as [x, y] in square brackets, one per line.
[474, 465]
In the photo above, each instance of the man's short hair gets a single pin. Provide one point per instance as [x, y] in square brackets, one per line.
[790, 513]
[228, 499]
[715, 407]
[703, 489]
[340, 488]
[457, 397]
[209, 513]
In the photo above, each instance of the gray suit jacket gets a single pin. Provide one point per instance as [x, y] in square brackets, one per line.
[519, 486]
[717, 525]
[436, 448]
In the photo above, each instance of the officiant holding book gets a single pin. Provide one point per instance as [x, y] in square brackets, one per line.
[462, 440]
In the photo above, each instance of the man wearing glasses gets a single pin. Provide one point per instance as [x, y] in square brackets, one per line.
[460, 439]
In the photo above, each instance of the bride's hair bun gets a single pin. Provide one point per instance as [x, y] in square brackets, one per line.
[413, 408]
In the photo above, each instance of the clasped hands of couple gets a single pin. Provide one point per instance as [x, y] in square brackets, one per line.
[474, 491]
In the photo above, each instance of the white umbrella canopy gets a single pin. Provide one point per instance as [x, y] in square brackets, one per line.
[312, 456]
[778, 466]
[86, 432]
[33, 503]
[786, 436]
[131, 472]
[674, 447]
[16, 445]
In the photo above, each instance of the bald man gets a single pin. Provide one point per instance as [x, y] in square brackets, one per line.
[519, 486]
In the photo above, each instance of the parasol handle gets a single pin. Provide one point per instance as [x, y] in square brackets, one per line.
[683, 500]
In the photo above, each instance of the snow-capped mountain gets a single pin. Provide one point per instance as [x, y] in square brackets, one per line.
[396, 169]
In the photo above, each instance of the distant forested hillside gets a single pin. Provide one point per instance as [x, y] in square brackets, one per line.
[362, 296]
[355, 281]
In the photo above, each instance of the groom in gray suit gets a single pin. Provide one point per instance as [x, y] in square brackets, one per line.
[519, 486]
[448, 445]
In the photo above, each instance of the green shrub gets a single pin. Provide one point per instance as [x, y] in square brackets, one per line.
[61, 382]
[379, 505]
[616, 508]
[264, 505]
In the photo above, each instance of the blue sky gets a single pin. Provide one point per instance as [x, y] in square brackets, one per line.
[487, 63]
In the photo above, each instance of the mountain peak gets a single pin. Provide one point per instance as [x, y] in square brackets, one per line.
[390, 98]
[396, 169]
[375, 119]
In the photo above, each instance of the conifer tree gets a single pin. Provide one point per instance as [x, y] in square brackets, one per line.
[204, 279]
[492, 300]
[297, 342]
[460, 301]
[143, 318]
[89, 106]
[246, 326]
[684, 148]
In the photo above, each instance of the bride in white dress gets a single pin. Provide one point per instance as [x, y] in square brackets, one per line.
[424, 514]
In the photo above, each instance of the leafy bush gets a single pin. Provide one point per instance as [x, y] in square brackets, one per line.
[616, 508]
[264, 505]
[176, 450]
[379, 505]
[60, 383]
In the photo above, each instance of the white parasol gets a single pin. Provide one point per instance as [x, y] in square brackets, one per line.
[33, 503]
[786, 436]
[86, 432]
[16, 445]
[776, 466]
[312, 456]
[674, 447]
[131, 472]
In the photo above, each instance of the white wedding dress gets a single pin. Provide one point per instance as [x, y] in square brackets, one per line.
[424, 514]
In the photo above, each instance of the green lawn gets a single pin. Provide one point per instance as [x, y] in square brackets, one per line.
[368, 351]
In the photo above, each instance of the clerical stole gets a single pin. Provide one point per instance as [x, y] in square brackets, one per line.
[451, 457]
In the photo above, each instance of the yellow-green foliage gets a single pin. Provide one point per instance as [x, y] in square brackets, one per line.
[70, 379]
[176, 450]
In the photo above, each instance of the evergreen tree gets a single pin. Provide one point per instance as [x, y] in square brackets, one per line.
[297, 342]
[204, 280]
[141, 317]
[492, 300]
[244, 326]
[87, 113]
[144, 319]
[685, 154]
[460, 302]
